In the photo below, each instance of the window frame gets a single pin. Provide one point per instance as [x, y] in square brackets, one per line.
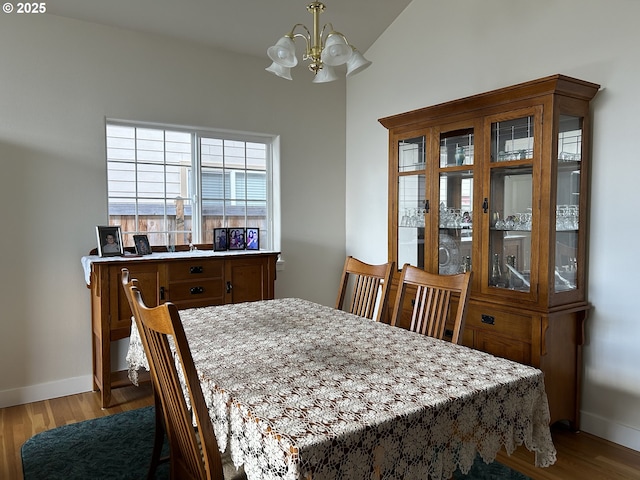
[271, 239]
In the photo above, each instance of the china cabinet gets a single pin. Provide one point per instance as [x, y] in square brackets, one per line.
[498, 183]
[187, 279]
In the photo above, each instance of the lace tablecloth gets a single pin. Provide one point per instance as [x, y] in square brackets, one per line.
[303, 391]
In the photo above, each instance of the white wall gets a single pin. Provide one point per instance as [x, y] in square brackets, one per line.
[440, 51]
[59, 79]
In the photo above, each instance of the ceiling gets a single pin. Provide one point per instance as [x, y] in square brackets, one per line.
[242, 26]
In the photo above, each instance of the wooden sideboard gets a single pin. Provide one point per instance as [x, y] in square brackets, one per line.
[187, 279]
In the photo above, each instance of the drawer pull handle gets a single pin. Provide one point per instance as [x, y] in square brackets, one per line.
[488, 319]
[198, 269]
[196, 290]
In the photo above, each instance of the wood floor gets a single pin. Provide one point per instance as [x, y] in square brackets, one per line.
[580, 456]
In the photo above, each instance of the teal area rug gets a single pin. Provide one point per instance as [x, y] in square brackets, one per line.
[118, 447]
[492, 471]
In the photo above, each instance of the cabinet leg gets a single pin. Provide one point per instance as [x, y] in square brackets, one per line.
[105, 395]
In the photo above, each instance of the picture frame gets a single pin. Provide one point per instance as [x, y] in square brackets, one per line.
[236, 238]
[142, 245]
[220, 239]
[109, 241]
[253, 239]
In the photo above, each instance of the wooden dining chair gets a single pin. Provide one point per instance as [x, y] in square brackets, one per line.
[432, 301]
[193, 450]
[158, 441]
[370, 287]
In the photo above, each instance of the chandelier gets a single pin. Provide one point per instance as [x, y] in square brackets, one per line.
[325, 49]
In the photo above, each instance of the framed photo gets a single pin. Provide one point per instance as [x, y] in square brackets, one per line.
[142, 244]
[253, 239]
[109, 241]
[220, 240]
[236, 239]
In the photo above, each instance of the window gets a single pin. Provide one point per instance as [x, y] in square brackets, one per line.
[176, 184]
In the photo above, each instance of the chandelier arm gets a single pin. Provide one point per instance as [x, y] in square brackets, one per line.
[292, 33]
[323, 30]
[307, 42]
[306, 36]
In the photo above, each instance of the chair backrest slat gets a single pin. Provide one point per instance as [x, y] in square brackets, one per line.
[365, 294]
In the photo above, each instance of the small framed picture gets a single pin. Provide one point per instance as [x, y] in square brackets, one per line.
[220, 240]
[236, 239]
[142, 244]
[253, 239]
[109, 241]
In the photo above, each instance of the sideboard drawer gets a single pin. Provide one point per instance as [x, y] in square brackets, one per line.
[206, 289]
[195, 269]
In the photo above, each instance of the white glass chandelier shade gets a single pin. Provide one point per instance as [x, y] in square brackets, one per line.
[336, 51]
[325, 49]
[279, 70]
[325, 75]
[356, 63]
[283, 52]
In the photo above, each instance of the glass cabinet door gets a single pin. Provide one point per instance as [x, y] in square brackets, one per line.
[568, 202]
[455, 209]
[510, 203]
[411, 201]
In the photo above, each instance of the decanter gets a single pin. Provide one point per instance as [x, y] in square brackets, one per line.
[496, 271]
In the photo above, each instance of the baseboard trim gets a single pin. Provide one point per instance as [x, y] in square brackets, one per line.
[614, 432]
[45, 391]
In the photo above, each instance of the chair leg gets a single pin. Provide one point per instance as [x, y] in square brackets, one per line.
[158, 440]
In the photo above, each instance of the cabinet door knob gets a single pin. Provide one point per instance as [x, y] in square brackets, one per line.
[161, 293]
[485, 205]
[229, 287]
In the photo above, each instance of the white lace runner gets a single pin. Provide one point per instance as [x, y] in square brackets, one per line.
[299, 390]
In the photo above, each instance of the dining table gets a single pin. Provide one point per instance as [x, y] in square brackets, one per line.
[301, 391]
